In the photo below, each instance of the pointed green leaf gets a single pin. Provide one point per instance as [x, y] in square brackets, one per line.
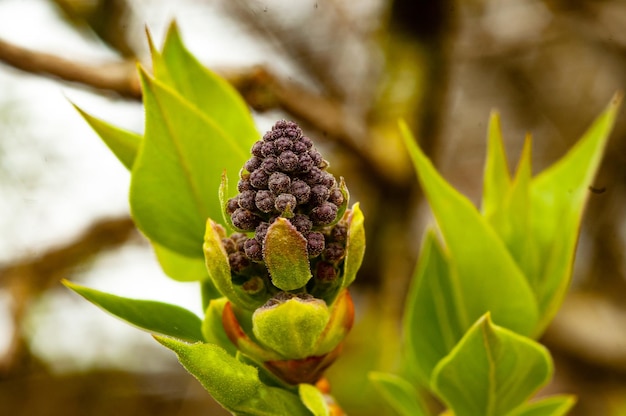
[491, 371]
[176, 176]
[219, 269]
[355, 248]
[286, 256]
[291, 328]
[209, 93]
[152, 316]
[123, 143]
[398, 393]
[435, 317]
[488, 278]
[213, 329]
[235, 385]
[497, 179]
[558, 197]
[180, 267]
[313, 399]
[511, 220]
[549, 406]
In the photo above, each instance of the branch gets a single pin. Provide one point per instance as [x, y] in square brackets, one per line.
[260, 88]
[27, 279]
[120, 77]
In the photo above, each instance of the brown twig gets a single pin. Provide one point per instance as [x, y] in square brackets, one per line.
[119, 77]
[26, 279]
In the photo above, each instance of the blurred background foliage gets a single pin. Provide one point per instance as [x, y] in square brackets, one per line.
[346, 71]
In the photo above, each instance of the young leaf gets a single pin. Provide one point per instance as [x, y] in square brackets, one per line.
[213, 329]
[491, 371]
[558, 197]
[399, 393]
[123, 143]
[207, 92]
[355, 249]
[180, 267]
[235, 385]
[313, 399]
[177, 173]
[497, 178]
[488, 278]
[549, 406]
[286, 256]
[152, 316]
[435, 318]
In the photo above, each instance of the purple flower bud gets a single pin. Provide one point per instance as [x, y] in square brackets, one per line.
[302, 223]
[270, 164]
[324, 214]
[285, 202]
[265, 201]
[253, 250]
[229, 245]
[256, 149]
[244, 184]
[246, 200]
[301, 191]
[313, 176]
[245, 219]
[328, 180]
[315, 243]
[339, 233]
[307, 142]
[288, 161]
[238, 262]
[232, 205]
[319, 195]
[283, 144]
[299, 147]
[305, 163]
[325, 272]
[336, 196]
[279, 183]
[252, 164]
[270, 136]
[334, 252]
[268, 149]
[261, 231]
[259, 179]
[316, 156]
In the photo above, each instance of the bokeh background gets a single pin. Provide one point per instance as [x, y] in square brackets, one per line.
[346, 71]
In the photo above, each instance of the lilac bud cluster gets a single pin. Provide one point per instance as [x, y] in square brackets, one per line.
[286, 176]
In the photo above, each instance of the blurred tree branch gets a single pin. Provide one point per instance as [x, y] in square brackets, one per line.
[26, 279]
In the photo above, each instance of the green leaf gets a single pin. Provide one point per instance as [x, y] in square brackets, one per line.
[511, 220]
[176, 176]
[497, 178]
[180, 267]
[558, 197]
[313, 399]
[488, 277]
[355, 248]
[212, 327]
[219, 269]
[435, 318]
[152, 316]
[491, 371]
[549, 406]
[286, 256]
[123, 143]
[292, 327]
[399, 393]
[235, 385]
[203, 89]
